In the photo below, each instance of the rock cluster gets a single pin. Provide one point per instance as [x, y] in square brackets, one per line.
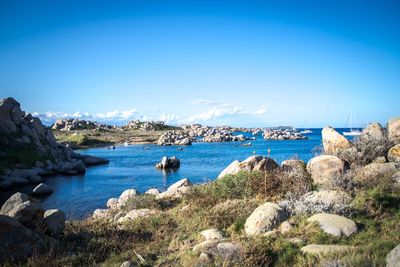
[145, 125]
[22, 134]
[76, 124]
[179, 138]
[25, 228]
[283, 134]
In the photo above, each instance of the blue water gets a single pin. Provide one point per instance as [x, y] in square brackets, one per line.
[133, 167]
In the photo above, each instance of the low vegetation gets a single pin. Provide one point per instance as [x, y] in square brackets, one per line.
[167, 238]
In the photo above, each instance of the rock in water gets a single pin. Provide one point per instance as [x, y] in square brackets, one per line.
[264, 218]
[334, 224]
[93, 161]
[325, 169]
[169, 163]
[42, 189]
[333, 141]
[393, 128]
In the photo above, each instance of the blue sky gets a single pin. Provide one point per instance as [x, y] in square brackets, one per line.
[244, 63]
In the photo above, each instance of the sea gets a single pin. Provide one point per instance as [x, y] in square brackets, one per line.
[133, 166]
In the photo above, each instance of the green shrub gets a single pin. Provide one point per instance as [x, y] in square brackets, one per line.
[77, 139]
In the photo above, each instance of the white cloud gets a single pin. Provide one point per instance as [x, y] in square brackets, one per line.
[218, 110]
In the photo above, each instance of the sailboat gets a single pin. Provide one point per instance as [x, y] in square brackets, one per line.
[306, 131]
[352, 132]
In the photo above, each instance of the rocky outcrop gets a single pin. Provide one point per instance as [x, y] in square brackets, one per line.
[333, 141]
[253, 163]
[146, 125]
[325, 169]
[394, 154]
[334, 224]
[283, 134]
[36, 153]
[373, 132]
[294, 165]
[76, 124]
[375, 171]
[169, 163]
[393, 129]
[264, 219]
[174, 138]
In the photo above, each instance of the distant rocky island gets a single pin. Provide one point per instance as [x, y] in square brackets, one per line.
[341, 208]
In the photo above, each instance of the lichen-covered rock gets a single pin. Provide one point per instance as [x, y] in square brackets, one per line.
[373, 132]
[325, 169]
[374, 171]
[394, 154]
[264, 218]
[252, 163]
[333, 141]
[334, 224]
[393, 129]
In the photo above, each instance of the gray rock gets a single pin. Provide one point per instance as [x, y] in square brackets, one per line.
[152, 191]
[228, 251]
[93, 161]
[13, 201]
[211, 234]
[112, 203]
[169, 163]
[42, 189]
[72, 168]
[252, 163]
[18, 242]
[334, 224]
[128, 264]
[393, 258]
[125, 196]
[373, 132]
[325, 170]
[135, 214]
[375, 171]
[264, 218]
[27, 213]
[177, 189]
[54, 221]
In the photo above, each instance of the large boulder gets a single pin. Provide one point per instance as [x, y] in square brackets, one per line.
[264, 219]
[54, 221]
[373, 132]
[334, 224]
[375, 171]
[394, 154]
[125, 196]
[294, 165]
[333, 141]
[252, 163]
[12, 202]
[325, 169]
[393, 258]
[17, 242]
[177, 189]
[393, 128]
